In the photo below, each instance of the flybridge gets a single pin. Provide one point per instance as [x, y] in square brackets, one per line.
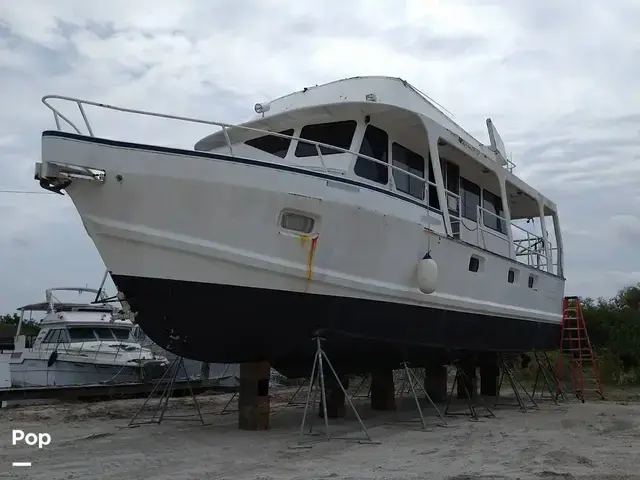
[385, 91]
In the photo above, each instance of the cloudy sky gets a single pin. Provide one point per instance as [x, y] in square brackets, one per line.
[558, 77]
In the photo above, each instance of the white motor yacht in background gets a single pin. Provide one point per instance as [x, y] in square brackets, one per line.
[356, 209]
[79, 344]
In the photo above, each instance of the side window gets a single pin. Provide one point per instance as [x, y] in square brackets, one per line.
[339, 134]
[277, 146]
[52, 337]
[64, 336]
[493, 204]
[411, 162]
[470, 198]
[434, 201]
[375, 144]
[103, 333]
[452, 177]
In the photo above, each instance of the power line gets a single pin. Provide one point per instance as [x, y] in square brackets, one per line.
[27, 192]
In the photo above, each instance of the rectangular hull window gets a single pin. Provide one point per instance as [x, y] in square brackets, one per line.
[339, 134]
[297, 222]
[375, 144]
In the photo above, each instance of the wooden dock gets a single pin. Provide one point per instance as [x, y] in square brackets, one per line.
[107, 391]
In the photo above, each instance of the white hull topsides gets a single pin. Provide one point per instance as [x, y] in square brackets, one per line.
[182, 215]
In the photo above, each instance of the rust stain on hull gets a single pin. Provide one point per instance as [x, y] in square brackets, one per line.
[304, 239]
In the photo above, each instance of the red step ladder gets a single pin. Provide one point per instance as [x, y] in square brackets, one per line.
[576, 349]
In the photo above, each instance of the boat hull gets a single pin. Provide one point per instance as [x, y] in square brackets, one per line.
[36, 373]
[195, 243]
[360, 334]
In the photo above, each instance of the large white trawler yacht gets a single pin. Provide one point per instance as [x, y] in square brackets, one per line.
[357, 209]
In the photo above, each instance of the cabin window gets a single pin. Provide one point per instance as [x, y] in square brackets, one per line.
[511, 277]
[434, 201]
[375, 144]
[451, 177]
[339, 134]
[451, 180]
[470, 199]
[411, 162]
[277, 146]
[121, 333]
[532, 281]
[493, 206]
[82, 334]
[103, 333]
[52, 337]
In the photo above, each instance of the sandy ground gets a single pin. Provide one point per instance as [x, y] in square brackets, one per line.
[596, 440]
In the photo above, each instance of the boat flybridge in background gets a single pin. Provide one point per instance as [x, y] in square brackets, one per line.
[79, 344]
[356, 209]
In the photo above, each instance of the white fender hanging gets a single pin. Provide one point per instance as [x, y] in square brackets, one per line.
[427, 274]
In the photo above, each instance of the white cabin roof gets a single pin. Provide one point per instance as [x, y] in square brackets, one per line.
[392, 91]
[386, 93]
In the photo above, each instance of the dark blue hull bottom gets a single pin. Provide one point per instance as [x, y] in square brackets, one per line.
[230, 324]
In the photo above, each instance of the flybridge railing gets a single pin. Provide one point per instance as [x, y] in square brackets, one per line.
[391, 169]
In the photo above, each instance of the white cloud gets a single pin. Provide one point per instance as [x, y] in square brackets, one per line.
[558, 78]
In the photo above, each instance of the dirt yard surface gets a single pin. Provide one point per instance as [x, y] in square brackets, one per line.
[596, 440]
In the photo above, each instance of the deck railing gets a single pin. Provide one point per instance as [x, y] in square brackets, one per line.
[225, 127]
[392, 170]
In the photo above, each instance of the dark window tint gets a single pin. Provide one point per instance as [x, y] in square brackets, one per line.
[274, 145]
[512, 276]
[493, 206]
[103, 333]
[80, 334]
[375, 144]
[411, 162]
[434, 201]
[470, 199]
[121, 333]
[452, 177]
[531, 281]
[338, 134]
[474, 264]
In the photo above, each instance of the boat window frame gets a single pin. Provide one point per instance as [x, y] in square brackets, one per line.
[302, 145]
[272, 138]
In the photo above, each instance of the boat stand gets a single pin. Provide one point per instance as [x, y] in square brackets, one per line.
[412, 380]
[462, 377]
[291, 400]
[508, 371]
[167, 381]
[317, 381]
[546, 374]
[225, 410]
[360, 385]
[406, 388]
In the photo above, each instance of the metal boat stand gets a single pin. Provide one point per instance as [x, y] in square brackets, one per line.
[546, 373]
[360, 385]
[405, 387]
[462, 377]
[167, 381]
[291, 400]
[318, 380]
[412, 380]
[508, 370]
